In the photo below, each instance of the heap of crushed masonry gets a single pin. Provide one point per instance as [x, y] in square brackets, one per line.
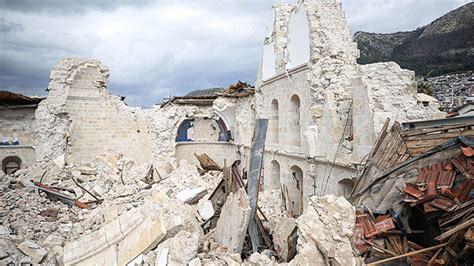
[154, 220]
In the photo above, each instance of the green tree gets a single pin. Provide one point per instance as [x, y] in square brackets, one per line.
[423, 87]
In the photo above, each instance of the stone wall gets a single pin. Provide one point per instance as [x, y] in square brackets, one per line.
[218, 151]
[18, 123]
[80, 110]
[342, 105]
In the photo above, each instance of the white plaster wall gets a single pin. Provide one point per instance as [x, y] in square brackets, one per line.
[17, 122]
[218, 151]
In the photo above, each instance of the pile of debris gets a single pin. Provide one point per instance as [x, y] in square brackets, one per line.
[418, 204]
[114, 211]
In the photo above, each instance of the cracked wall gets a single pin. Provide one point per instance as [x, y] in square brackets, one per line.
[79, 117]
[343, 105]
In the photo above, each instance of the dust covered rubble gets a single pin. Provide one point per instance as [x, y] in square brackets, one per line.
[36, 229]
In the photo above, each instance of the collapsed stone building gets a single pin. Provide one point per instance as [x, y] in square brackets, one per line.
[324, 112]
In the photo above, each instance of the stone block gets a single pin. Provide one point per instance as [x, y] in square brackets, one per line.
[110, 213]
[191, 195]
[33, 250]
[233, 222]
[146, 236]
[285, 245]
[180, 249]
[53, 241]
[205, 209]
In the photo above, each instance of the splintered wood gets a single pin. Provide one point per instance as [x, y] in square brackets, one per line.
[207, 163]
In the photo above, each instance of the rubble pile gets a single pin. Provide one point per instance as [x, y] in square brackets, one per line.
[30, 219]
[152, 219]
[415, 205]
[271, 205]
[324, 232]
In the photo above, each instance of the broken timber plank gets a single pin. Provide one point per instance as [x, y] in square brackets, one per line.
[408, 254]
[455, 230]
[207, 163]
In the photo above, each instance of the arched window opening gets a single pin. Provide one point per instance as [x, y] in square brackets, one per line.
[275, 175]
[345, 187]
[297, 191]
[298, 38]
[224, 132]
[11, 164]
[183, 130]
[203, 129]
[295, 126]
[274, 123]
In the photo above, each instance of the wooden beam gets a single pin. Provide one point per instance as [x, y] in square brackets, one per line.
[456, 229]
[408, 254]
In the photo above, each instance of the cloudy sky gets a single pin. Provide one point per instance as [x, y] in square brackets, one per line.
[158, 48]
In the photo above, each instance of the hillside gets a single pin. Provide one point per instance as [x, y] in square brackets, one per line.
[444, 46]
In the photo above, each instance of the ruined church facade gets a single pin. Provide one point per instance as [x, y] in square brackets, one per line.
[324, 110]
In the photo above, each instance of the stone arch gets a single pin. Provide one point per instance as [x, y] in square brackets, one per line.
[275, 175]
[298, 38]
[182, 131]
[11, 164]
[220, 128]
[294, 121]
[296, 193]
[345, 187]
[274, 123]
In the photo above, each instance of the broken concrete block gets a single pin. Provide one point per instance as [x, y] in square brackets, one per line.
[98, 190]
[6, 262]
[4, 231]
[3, 254]
[205, 209]
[195, 262]
[53, 241]
[324, 231]
[233, 222]
[136, 261]
[32, 250]
[86, 170]
[285, 244]
[60, 161]
[110, 213]
[260, 259]
[76, 174]
[191, 195]
[180, 249]
[162, 256]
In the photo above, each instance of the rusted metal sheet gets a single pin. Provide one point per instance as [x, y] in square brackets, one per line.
[54, 193]
[255, 167]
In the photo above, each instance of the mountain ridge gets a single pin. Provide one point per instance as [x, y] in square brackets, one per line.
[444, 46]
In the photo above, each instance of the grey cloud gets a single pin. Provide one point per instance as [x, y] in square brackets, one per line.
[65, 6]
[167, 47]
[7, 26]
